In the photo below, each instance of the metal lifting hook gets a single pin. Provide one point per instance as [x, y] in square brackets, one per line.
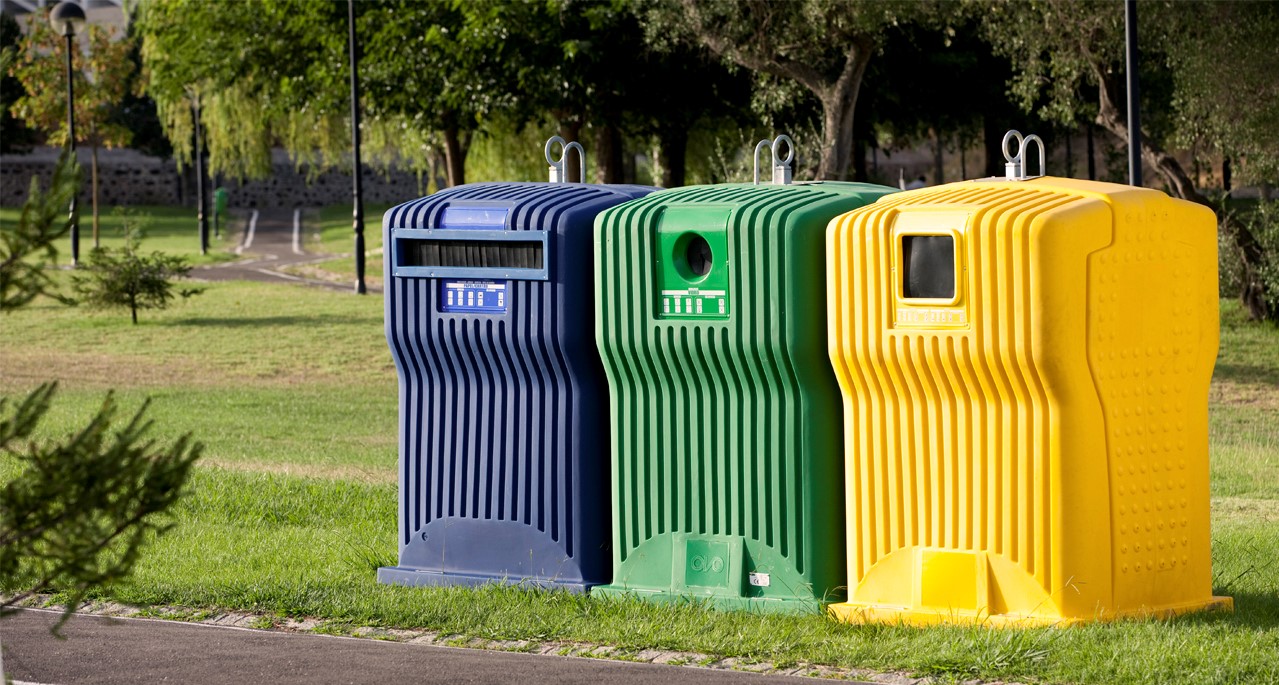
[781, 167]
[1016, 166]
[558, 165]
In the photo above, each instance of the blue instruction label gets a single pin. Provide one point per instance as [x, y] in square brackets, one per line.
[476, 297]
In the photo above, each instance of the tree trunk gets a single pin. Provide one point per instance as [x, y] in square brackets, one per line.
[454, 156]
[608, 154]
[839, 103]
[94, 172]
[1252, 291]
[1110, 118]
[939, 169]
[859, 159]
[1092, 155]
[1070, 157]
[437, 173]
[992, 140]
[673, 149]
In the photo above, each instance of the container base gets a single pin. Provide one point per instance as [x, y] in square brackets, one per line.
[412, 577]
[850, 612]
[759, 605]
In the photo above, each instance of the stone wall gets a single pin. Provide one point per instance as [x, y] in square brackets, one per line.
[127, 177]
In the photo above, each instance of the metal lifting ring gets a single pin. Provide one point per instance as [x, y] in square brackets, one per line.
[1025, 164]
[1016, 167]
[1004, 145]
[790, 150]
[558, 165]
[760, 146]
[781, 167]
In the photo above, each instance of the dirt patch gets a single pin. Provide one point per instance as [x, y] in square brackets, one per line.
[98, 371]
[1233, 393]
[328, 472]
[21, 368]
[1245, 509]
[319, 273]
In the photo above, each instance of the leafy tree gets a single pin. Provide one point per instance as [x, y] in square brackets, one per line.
[13, 132]
[822, 45]
[927, 85]
[77, 512]
[102, 71]
[435, 67]
[1224, 64]
[1065, 52]
[126, 278]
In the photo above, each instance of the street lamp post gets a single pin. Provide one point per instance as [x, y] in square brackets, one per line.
[66, 18]
[358, 212]
[201, 218]
[1134, 96]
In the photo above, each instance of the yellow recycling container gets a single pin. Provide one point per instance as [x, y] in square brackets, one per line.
[1024, 366]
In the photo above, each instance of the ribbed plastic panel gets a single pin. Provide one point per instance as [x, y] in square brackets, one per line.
[503, 450]
[726, 427]
[1012, 449]
[949, 407]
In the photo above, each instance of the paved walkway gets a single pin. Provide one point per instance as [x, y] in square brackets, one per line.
[270, 239]
[129, 650]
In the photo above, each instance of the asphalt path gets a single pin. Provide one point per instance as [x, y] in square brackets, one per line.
[269, 240]
[107, 651]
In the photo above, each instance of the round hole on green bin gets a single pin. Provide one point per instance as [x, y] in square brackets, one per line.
[698, 256]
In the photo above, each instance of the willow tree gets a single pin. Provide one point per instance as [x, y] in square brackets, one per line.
[256, 74]
[102, 70]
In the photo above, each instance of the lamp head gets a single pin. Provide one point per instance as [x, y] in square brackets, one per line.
[66, 18]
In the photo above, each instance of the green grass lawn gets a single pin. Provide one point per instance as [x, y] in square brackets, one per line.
[172, 230]
[294, 507]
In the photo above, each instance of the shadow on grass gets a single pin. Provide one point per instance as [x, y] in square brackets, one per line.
[264, 321]
[1248, 374]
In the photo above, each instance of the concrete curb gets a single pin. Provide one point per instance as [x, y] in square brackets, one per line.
[252, 621]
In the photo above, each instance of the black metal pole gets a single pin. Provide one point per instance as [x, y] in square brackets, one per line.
[199, 182]
[358, 210]
[73, 218]
[1134, 98]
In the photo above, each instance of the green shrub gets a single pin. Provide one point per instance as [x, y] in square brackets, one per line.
[1263, 223]
[124, 277]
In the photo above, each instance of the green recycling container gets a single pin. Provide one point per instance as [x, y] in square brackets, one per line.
[726, 419]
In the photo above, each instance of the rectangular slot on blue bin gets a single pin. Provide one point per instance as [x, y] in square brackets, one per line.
[485, 254]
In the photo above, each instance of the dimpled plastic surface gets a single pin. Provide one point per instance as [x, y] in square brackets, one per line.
[503, 413]
[725, 420]
[1034, 449]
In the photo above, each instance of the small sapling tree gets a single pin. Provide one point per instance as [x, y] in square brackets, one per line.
[75, 513]
[125, 277]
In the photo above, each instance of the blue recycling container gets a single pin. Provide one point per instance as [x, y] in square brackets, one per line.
[504, 443]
